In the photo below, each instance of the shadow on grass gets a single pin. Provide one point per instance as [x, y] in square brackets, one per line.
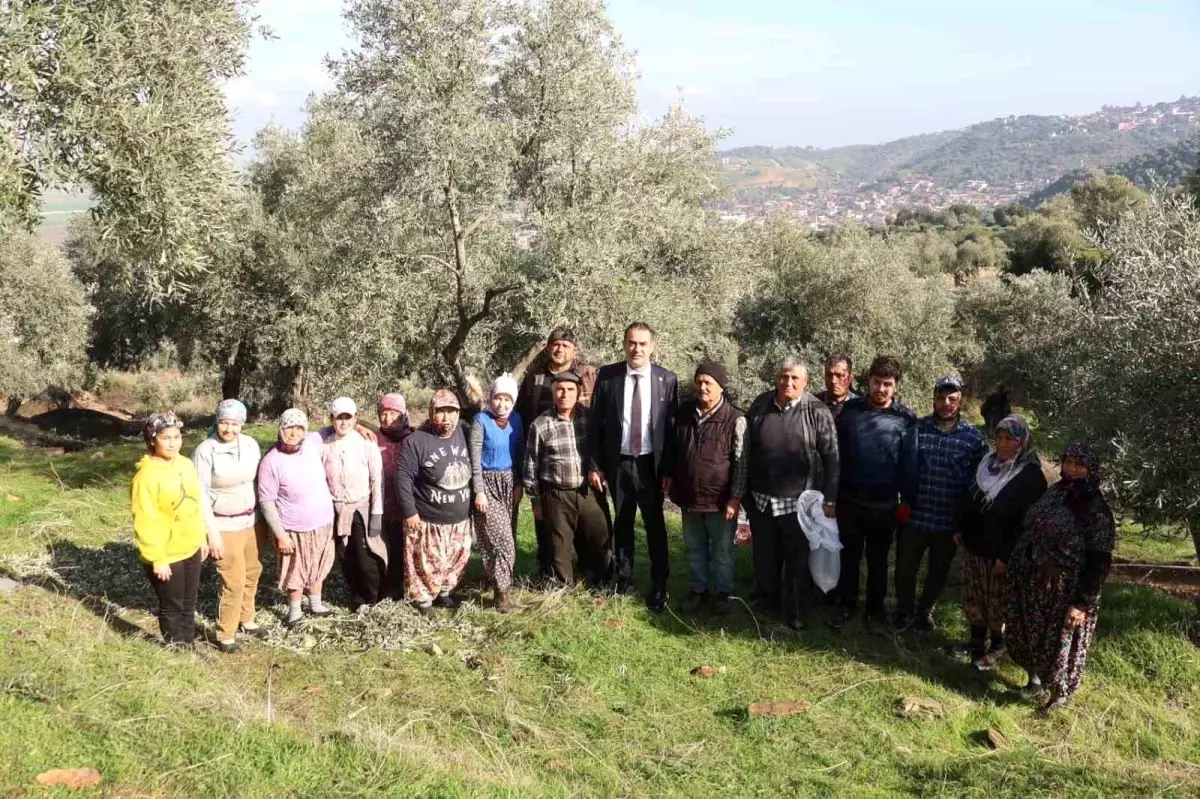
[111, 579]
[1125, 609]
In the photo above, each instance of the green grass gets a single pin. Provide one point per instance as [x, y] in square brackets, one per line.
[573, 695]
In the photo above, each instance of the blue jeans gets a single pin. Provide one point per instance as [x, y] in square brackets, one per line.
[709, 538]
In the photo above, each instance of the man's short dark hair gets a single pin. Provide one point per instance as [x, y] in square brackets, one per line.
[885, 366]
[637, 326]
[840, 357]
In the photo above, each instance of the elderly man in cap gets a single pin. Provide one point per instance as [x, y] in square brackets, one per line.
[791, 447]
[708, 483]
[949, 450]
[535, 397]
[556, 480]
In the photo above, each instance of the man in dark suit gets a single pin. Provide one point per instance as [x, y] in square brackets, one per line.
[629, 433]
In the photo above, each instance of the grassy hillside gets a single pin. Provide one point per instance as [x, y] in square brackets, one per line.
[576, 694]
[1170, 165]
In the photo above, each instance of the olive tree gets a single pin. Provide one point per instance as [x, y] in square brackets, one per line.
[855, 293]
[43, 320]
[124, 98]
[1137, 360]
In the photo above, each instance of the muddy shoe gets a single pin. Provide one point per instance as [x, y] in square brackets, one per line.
[446, 601]
[722, 604]
[502, 603]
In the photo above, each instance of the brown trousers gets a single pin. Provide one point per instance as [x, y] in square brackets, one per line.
[240, 569]
[578, 518]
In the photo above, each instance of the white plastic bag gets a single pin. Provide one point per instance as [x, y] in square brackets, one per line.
[824, 543]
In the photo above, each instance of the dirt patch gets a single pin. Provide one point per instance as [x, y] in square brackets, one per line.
[1178, 580]
[32, 436]
[85, 424]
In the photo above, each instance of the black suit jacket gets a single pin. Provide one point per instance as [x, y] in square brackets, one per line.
[604, 426]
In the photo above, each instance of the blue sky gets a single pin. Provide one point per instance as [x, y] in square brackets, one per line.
[798, 72]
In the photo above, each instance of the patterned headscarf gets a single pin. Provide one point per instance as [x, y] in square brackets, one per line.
[156, 423]
[231, 410]
[993, 474]
[1082, 450]
[293, 417]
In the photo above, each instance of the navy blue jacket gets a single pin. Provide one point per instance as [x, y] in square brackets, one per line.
[878, 452]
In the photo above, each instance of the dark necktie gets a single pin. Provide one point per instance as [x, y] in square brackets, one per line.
[635, 417]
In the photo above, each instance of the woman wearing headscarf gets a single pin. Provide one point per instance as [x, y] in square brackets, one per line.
[298, 508]
[496, 446]
[168, 525]
[354, 473]
[1056, 571]
[434, 484]
[392, 411]
[1007, 483]
[227, 463]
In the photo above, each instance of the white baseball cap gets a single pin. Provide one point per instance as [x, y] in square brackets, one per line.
[342, 405]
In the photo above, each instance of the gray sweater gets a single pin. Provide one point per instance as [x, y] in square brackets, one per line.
[227, 473]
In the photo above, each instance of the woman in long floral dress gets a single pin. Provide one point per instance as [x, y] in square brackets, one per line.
[1057, 569]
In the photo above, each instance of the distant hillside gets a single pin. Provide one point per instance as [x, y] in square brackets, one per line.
[1024, 152]
[1170, 165]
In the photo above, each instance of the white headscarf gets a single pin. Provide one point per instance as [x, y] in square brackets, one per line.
[504, 384]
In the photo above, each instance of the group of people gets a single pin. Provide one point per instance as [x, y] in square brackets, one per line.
[401, 508]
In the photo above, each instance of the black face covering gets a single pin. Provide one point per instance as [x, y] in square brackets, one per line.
[397, 431]
[286, 448]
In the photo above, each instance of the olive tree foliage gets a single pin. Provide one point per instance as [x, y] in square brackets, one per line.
[123, 97]
[477, 176]
[43, 320]
[126, 329]
[1137, 360]
[1024, 325]
[330, 304]
[852, 293]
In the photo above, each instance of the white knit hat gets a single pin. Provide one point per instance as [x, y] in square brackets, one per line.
[504, 384]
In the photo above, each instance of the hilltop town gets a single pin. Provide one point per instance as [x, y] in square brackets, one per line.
[986, 165]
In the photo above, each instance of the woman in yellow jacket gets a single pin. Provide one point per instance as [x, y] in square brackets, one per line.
[168, 524]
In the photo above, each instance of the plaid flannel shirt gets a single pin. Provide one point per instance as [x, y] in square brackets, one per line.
[554, 452]
[946, 464]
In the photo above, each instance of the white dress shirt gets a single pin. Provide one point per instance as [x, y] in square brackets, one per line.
[627, 405]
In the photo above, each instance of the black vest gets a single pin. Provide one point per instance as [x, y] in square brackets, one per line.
[703, 458]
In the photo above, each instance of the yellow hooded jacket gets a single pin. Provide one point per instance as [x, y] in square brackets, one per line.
[168, 522]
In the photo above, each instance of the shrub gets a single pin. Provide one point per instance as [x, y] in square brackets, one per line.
[853, 293]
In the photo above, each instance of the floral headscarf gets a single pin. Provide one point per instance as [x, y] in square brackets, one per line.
[156, 423]
[994, 474]
[1082, 450]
